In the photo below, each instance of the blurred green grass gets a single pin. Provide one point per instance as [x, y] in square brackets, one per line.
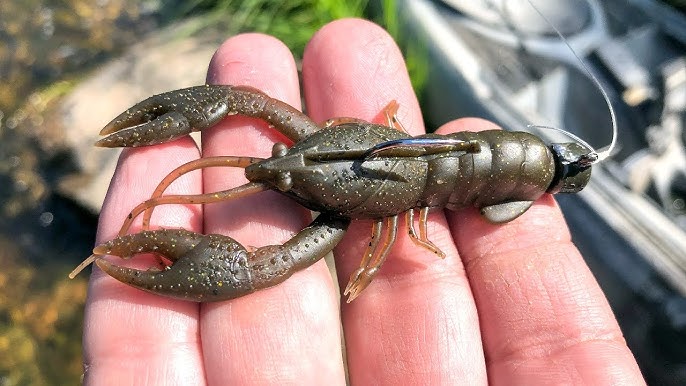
[295, 22]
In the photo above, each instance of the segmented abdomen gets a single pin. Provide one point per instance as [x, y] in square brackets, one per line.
[511, 166]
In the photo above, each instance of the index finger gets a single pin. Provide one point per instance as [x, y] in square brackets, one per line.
[129, 334]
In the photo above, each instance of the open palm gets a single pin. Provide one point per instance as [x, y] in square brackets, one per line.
[510, 304]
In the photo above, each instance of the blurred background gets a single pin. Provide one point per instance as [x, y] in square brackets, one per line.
[68, 67]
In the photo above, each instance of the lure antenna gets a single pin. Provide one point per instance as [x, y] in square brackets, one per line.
[604, 153]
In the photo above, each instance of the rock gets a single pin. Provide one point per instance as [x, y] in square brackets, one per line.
[159, 63]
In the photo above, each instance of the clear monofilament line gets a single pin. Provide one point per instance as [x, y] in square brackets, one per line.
[605, 152]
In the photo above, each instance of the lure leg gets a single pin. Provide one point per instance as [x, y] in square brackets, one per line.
[421, 240]
[368, 253]
[341, 120]
[369, 267]
[391, 113]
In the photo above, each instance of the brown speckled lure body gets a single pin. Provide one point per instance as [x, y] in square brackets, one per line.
[349, 169]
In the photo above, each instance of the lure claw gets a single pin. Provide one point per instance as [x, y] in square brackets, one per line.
[165, 117]
[215, 267]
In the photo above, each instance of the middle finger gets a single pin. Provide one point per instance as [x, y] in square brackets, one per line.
[416, 323]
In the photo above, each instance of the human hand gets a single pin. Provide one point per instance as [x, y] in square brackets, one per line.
[510, 304]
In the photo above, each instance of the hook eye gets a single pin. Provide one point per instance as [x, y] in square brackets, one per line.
[574, 153]
[572, 167]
